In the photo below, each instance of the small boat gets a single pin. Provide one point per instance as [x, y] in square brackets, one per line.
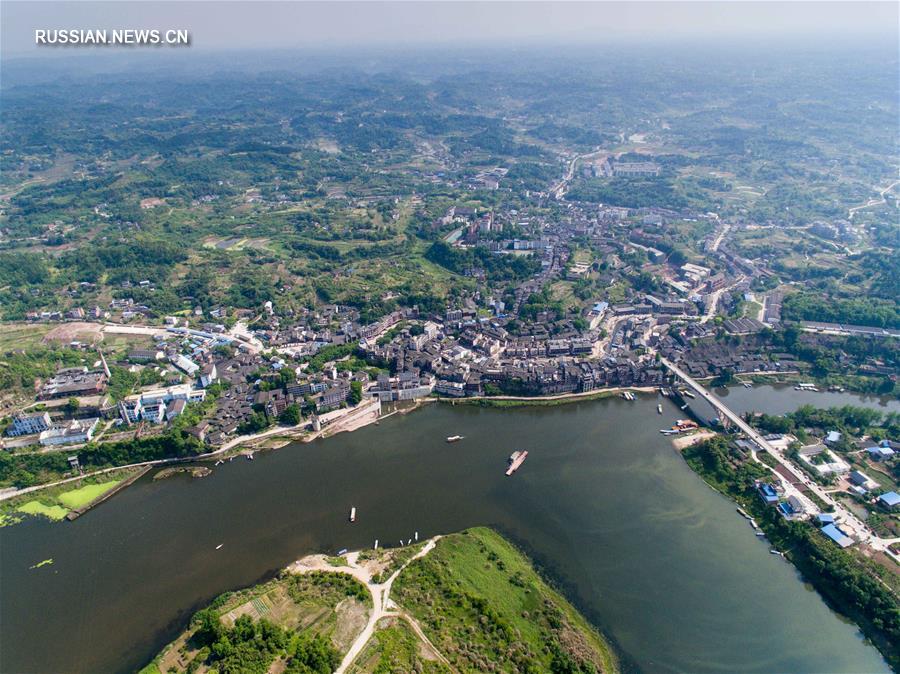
[776, 552]
[747, 384]
[760, 534]
[219, 546]
[342, 551]
[250, 456]
[743, 512]
[353, 514]
[659, 409]
[454, 438]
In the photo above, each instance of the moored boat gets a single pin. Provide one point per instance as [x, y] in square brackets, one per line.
[353, 514]
[454, 438]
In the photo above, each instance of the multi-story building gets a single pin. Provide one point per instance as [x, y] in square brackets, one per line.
[26, 424]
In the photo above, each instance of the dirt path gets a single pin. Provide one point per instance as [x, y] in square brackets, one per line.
[382, 604]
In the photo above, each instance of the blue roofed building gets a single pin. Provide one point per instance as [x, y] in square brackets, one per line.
[880, 453]
[825, 518]
[767, 493]
[834, 533]
[890, 500]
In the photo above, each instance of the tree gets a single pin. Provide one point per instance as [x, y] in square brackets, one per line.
[355, 396]
[72, 405]
[290, 416]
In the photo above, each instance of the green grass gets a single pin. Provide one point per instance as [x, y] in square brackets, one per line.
[478, 585]
[78, 498]
[394, 648]
[54, 512]
[21, 335]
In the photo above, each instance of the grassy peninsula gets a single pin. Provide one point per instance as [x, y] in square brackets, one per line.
[467, 602]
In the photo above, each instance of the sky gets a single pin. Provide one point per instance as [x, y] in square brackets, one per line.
[260, 24]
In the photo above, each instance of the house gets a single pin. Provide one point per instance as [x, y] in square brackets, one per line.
[145, 355]
[880, 453]
[208, 375]
[837, 535]
[185, 364]
[832, 438]
[175, 408]
[889, 500]
[861, 479]
[767, 493]
[74, 381]
[77, 431]
[26, 424]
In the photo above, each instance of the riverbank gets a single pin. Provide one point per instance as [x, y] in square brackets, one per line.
[851, 583]
[545, 401]
[348, 419]
[346, 611]
[69, 499]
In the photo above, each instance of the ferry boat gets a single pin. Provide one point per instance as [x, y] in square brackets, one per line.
[516, 459]
[806, 387]
[454, 438]
[353, 514]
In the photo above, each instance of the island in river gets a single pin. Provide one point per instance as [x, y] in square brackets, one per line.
[463, 602]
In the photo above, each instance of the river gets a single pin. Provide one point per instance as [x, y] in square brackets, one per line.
[656, 559]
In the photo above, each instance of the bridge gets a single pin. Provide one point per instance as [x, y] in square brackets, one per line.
[720, 407]
[843, 516]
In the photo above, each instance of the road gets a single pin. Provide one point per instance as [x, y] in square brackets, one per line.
[559, 189]
[713, 300]
[847, 520]
[873, 202]
[718, 240]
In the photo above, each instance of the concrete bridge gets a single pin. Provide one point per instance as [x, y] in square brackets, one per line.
[720, 407]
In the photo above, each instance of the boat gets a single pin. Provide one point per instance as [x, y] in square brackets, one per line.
[628, 395]
[454, 438]
[659, 409]
[219, 546]
[342, 551]
[760, 534]
[747, 384]
[353, 514]
[743, 512]
[688, 394]
[250, 456]
[516, 459]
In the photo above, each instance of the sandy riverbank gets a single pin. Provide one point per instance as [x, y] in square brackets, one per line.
[683, 441]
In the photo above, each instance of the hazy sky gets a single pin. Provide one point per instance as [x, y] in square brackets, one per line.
[218, 24]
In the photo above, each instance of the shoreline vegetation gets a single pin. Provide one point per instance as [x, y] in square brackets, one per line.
[469, 601]
[848, 582]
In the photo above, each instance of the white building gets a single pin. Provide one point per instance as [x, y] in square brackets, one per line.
[77, 431]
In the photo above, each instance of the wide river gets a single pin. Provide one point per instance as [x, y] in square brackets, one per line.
[656, 559]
